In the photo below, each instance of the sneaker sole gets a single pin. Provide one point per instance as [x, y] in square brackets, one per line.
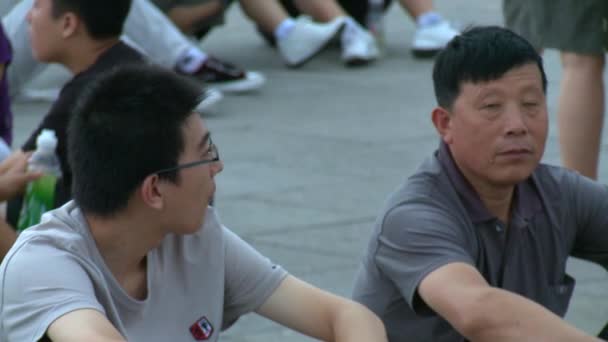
[252, 81]
[358, 62]
[209, 102]
[317, 51]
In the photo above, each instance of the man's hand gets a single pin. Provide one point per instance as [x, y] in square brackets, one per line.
[14, 175]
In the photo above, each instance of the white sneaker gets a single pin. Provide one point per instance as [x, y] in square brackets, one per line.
[252, 80]
[211, 97]
[431, 39]
[358, 45]
[307, 39]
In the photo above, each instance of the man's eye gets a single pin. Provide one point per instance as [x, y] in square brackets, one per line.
[491, 106]
[530, 104]
[208, 151]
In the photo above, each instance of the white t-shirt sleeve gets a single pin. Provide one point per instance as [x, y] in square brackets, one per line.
[40, 283]
[250, 278]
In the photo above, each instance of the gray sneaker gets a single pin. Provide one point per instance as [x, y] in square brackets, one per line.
[307, 39]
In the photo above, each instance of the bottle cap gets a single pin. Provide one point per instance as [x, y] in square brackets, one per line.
[46, 140]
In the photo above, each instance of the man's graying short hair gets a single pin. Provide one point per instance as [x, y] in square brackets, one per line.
[480, 54]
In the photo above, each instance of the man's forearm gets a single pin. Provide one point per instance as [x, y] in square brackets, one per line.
[504, 316]
[368, 326]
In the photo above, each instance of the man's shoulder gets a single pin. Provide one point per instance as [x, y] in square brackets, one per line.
[425, 198]
[60, 232]
[428, 186]
[553, 180]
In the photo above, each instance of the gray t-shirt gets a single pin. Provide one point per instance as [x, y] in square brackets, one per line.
[197, 283]
[436, 218]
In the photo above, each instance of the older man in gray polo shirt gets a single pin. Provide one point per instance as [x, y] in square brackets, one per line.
[474, 245]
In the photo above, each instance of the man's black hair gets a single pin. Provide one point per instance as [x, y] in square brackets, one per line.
[102, 18]
[480, 54]
[128, 124]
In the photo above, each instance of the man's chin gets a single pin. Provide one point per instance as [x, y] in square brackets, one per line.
[513, 177]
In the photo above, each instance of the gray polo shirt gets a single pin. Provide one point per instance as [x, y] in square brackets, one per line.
[197, 284]
[436, 218]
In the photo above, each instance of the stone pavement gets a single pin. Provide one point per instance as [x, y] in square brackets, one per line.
[310, 159]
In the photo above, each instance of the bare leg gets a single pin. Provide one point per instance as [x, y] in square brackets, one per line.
[581, 111]
[320, 10]
[188, 16]
[267, 14]
[417, 7]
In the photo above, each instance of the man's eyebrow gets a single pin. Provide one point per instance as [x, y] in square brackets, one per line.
[204, 140]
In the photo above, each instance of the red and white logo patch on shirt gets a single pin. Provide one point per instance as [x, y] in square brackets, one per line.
[202, 329]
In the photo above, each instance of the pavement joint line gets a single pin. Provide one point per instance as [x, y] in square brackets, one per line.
[282, 203]
[299, 248]
[338, 224]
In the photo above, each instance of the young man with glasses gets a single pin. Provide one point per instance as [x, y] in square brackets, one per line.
[139, 255]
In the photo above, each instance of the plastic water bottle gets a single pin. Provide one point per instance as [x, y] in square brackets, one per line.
[40, 194]
[375, 21]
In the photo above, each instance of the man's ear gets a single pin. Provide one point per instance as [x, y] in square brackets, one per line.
[442, 120]
[71, 24]
[151, 192]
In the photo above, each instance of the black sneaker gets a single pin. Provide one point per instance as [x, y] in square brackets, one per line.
[227, 77]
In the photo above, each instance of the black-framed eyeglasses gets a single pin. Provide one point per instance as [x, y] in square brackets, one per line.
[212, 155]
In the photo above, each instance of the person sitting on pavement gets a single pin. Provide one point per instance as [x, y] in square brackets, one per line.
[139, 241]
[151, 32]
[84, 36]
[298, 40]
[432, 33]
[474, 245]
[13, 179]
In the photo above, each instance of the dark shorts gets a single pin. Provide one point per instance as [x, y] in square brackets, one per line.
[567, 25]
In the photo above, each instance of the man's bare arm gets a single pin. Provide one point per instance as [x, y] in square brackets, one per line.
[319, 314]
[480, 312]
[83, 325]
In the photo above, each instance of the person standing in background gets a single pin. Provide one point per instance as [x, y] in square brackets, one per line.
[576, 29]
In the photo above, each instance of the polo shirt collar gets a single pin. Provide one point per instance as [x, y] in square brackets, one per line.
[526, 196]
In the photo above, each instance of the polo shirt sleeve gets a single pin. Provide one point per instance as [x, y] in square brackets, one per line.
[40, 284]
[414, 241]
[250, 278]
[590, 208]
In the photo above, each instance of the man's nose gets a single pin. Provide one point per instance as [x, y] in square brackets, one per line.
[515, 121]
[217, 167]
